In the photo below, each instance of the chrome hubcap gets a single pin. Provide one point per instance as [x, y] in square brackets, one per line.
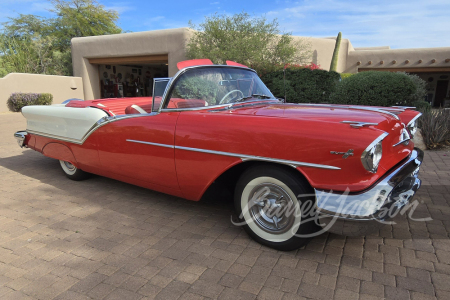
[271, 208]
[70, 166]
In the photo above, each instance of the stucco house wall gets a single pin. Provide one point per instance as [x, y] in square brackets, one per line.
[61, 87]
[388, 56]
[168, 41]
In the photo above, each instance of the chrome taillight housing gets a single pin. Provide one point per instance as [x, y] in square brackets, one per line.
[371, 157]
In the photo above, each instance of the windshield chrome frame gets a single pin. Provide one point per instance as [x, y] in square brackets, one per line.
[175, 78]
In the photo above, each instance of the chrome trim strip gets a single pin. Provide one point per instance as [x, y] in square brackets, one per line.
[153, 144]
[241, 156]
[357, 124]
[261, 158]
[56, 137]
[414, 119]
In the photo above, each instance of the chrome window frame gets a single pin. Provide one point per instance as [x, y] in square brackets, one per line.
[175, 78]
[155, 80]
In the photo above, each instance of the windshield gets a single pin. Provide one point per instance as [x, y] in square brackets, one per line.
[216, 85]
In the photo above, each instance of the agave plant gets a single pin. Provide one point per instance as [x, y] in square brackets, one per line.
[435, 127]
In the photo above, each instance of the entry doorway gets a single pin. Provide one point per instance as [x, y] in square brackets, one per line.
[130, 76]
[441, 93]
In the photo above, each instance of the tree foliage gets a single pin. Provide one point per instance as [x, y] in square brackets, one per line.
[252, 41]
[33, 44]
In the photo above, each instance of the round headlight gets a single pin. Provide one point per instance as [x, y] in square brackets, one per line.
[371, 157]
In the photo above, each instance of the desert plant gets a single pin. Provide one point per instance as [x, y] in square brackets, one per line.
[375, 88]
[18, 100]
[334, 60]
[435, 127]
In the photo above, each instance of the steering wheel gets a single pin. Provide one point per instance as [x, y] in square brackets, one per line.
[228, 94]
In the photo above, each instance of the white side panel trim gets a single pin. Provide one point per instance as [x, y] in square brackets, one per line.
[70, 123]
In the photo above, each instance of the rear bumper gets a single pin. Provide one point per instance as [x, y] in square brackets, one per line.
[360, 214]
[20, 137]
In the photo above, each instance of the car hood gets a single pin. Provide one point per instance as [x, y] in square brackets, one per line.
[326, 113]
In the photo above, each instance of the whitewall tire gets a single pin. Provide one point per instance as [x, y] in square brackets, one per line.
[269, 202]
[73, 172]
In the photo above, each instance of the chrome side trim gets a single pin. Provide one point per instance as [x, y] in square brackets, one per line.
[260, 158]
[153, 144]
[243, 157]
[414, 119]
[56, 137]
[356, 124]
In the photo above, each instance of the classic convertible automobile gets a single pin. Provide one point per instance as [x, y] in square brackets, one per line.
[293, 168]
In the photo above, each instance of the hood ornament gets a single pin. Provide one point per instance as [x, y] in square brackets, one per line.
[345, 154]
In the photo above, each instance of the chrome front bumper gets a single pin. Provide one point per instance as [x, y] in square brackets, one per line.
[20, 137]
[359, 214]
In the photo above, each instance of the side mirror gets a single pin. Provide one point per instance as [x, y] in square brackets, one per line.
[282, 100]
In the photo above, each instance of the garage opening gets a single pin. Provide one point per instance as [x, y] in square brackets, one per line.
[130, 76]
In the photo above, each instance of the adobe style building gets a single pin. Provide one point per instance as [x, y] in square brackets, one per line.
[125, 64]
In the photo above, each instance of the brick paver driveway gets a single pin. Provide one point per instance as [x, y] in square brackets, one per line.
[103, 239]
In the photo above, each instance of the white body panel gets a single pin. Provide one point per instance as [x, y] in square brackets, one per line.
[69, 123]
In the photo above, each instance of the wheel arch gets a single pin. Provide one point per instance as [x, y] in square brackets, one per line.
[59, 151]
[229, 178]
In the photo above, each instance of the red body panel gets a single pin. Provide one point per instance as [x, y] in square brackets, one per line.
[279, 131]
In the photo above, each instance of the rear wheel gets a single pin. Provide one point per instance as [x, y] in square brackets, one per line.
[276, 207]
[73, 172]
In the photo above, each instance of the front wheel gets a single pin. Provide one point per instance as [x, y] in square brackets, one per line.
[276, 207]
[73, 172]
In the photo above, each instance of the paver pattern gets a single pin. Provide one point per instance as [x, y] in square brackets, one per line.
[104, 239]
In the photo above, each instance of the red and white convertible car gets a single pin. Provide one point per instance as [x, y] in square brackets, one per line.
[287, 164]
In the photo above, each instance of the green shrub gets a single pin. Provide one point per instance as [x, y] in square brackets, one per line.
[421, 105]
[420, 93]
[435, 127]
[346, 75]
[18, 100]
[375, 88]
[302, 84]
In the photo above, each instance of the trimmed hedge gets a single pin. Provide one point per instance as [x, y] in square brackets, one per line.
[375, 88]
[18, 100]
[346, 75]
[302, 84]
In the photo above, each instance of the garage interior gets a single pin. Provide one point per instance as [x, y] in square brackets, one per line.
[129, 76]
